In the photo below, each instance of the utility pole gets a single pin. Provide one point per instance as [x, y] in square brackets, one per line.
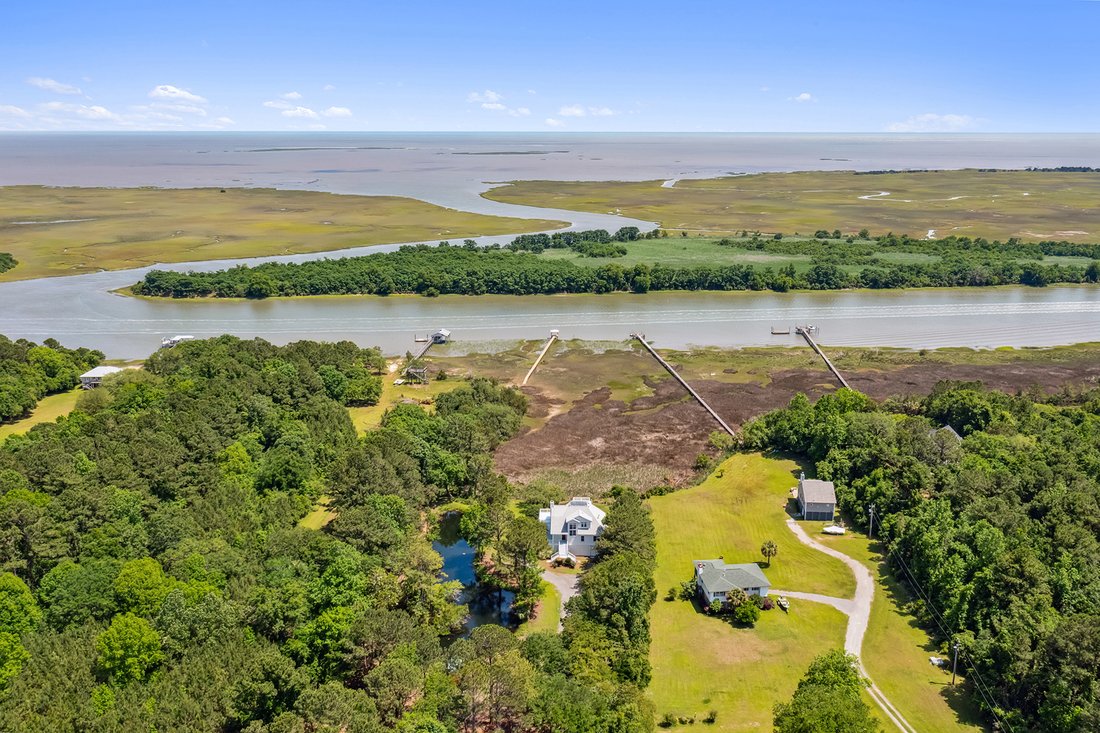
[954, 662]
[871, 522]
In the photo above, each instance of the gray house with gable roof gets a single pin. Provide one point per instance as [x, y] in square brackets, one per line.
[715, 578]
[816, 499]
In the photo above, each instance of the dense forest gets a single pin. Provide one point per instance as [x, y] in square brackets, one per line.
[7, 262]
[997, 532]
[29, 372]
[520, 270]
[155, 575]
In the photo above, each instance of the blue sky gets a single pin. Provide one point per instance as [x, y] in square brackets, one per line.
[769, 65]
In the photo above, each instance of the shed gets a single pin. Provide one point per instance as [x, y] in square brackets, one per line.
[816, 499]
[92, 378]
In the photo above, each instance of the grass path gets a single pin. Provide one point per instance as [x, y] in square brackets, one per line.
[48, 409]
[546, 615]
[702, 663]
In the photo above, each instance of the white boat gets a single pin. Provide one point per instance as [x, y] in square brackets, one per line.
[833, 529]
[170, 341]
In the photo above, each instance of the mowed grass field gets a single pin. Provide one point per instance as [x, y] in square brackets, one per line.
[66, 231]
[1030, 205]
[702, 663]
[49, 408]
[896, 651]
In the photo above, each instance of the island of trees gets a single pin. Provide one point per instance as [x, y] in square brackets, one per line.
[522, 268]
[7, 262]
[154, 574]
[993, 524]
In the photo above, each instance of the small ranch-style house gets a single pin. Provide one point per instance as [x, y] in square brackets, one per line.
[816, 499]
[572, 529]
[92, 378]
[715, 578]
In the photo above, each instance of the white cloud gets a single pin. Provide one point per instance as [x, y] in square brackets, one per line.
[804, 97]
[337, 112]
[93, 112]
[601, 111]
[931, 122]
[765, 89]
[305, 112]
[487, 96]
[189, 109]
[278, 104]
[291, 95]
[225, 121]
[328, 87]
[531, 91]
[494, 106]
[552, 122]
[573, 110]
[10, 110]
[519, 112]
[52, 85]
[167, 91]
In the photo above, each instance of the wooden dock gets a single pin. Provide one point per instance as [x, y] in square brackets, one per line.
[549, 342]
[678, 378]
[424, 350]
[805, 333]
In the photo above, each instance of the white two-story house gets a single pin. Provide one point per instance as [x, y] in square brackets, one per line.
[572, 529]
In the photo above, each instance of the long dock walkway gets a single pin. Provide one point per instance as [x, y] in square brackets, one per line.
[549, 342]
[420, 354]
[805, 333]
[678, 378]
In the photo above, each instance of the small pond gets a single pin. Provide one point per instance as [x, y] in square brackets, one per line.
[487, 605]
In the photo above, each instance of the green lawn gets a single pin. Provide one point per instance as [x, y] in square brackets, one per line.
[319, 517]
[702, 663]
[546, 615]
[896, 651]
[49, 408]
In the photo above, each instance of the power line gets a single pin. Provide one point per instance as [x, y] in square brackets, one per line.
[983, 689]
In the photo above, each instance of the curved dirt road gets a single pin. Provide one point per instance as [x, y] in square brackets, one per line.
[858, 610]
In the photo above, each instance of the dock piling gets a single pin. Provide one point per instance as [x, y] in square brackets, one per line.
[804, 331]
[683, 382]
[549, 342]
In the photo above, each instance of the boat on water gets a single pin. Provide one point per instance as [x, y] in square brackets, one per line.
[170, 341]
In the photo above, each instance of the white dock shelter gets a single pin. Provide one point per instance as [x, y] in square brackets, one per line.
[93, 377]
[441, 336]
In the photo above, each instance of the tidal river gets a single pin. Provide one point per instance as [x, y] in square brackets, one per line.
[83, 311]
[452, 169]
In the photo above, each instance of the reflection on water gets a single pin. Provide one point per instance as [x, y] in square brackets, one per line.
[486, 605]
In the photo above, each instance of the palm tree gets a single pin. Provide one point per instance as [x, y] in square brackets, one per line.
[769, 550]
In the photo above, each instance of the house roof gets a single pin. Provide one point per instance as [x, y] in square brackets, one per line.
[580, 508]
[718, 577]
[817, 492]
[100, 371]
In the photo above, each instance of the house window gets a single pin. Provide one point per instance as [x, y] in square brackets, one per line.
[584, 525]
[564, 538]
[572, 530]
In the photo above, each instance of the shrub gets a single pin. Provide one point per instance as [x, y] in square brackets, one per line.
[668, 720]
[746, 613]
[712, 716]
[766, 603]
